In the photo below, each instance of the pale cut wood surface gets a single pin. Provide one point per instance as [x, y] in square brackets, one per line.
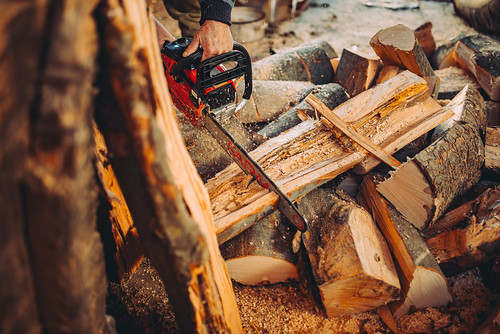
[308, 155]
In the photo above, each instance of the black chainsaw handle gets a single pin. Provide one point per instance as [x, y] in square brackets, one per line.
[248, 70]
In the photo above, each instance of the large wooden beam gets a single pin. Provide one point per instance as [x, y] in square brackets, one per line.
[164, 193]
[22, 25]
[308, 155]
[424, 187]
[60, 189]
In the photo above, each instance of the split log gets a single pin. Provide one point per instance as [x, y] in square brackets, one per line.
[424, 37]
[424, 187]
[60, 191]
[309, 62]
[163, 191]
[332, 95]
[481, 56]
[270, 99]
[388, 72]
[21, 26]
[308, 155]
[460, 247]
[492, 150]
[350, 260]
[262, 254]
[398, 46]
[453, 80]
[422, 282]
[493, 113]
[445, 56]
[356, 73]
[122, 247]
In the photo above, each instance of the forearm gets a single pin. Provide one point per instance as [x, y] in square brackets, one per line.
[217, 10]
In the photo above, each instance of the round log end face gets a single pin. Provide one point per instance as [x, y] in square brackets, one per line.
[260, 270]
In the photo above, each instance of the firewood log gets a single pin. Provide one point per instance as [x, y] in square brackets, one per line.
[163, 191]
[21, 22]
[481, 56]
[453, 80]
[331, 95]
[350, 260]
[493, 112]
[122, 247]
[424, 37]
[459, 247]
[270, 99]
[307, 62]
[356, 73]
[445, 56]
[262, 254]
[388, 72]
[422, 282]
[308, 155]
[398, 46]
[424, 187]
[492, 150]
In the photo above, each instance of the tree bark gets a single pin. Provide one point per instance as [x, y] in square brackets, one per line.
[161, 187]
[350, 260]
[492, 150]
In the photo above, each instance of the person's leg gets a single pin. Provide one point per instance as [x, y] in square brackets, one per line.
[187, 13]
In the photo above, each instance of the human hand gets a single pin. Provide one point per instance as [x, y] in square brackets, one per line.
[214, 37]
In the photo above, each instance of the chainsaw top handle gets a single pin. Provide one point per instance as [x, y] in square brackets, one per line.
[237, 63]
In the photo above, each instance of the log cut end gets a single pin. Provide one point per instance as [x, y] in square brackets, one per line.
[260, 270]
[427, 289]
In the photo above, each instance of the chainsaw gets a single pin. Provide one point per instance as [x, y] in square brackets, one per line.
[205, 92]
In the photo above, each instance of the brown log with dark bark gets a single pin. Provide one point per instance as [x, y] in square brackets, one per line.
[398, 46]
[307, 62]
[422, 282]
[459, 247]
[424, 187]
[262, 254]
[22, 25]
[122, 246]
[270, 99]
[356, 73]
[350, 260]
[492, 150]
[159, 181]
[60, 189]
[480, 55]
[425, 38]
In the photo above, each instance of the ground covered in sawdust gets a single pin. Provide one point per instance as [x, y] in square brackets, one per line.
[140, 305]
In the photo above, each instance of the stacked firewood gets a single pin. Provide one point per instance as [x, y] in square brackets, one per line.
[393, 161]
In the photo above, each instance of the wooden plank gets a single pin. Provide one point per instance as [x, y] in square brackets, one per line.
[308, 155]
[162, 189]
[351, 133]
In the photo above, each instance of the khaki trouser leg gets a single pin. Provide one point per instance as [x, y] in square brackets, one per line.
[187, 12]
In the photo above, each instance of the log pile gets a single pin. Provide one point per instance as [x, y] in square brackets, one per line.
[382, 171]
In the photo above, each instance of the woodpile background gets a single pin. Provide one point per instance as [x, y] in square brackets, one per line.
[107, 203]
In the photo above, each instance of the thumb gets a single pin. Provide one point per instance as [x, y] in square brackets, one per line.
[192, 47]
